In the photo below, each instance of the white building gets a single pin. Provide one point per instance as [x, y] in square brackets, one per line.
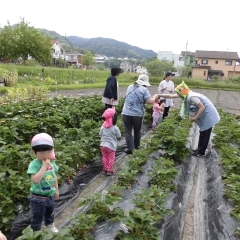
[172, 57]
[100, 59]
[127, 66]
[57, 50]
[141, 70]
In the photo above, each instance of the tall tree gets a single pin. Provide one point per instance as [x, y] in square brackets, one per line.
[87, 59]
[157, 67]
[185, 71]
[22, 40]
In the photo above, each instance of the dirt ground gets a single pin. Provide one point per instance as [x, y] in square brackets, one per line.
[227, 100]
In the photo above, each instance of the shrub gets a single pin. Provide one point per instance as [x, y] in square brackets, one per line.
[10, 75]
[49, 81]
[28, 92]
[216, 78]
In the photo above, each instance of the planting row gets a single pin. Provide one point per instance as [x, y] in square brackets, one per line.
[148, 204]
[227, 141]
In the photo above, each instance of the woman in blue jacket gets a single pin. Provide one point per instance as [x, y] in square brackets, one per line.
[110, 94]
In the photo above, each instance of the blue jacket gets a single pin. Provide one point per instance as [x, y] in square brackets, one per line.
[111, 88]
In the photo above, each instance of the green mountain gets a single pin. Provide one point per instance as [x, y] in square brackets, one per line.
[102, 46]
[111, 48]
[64, 41]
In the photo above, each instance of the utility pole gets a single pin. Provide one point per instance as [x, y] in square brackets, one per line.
[65, 51]
[186, 54]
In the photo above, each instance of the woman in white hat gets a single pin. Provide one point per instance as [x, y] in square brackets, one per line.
[137, 96]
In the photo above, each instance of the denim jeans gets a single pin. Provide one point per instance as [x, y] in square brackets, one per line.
[135, 123]
[42, 208]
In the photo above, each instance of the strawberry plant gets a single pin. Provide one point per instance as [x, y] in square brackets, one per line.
[101, 205]
[227, 143]
[126, 177]
[152, 199]
[163, 174]
[46, 234]
[140, 224]
[83, 226]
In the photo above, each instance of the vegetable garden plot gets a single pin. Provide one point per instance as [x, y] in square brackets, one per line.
[211, 219]
[200, 210]
[72, 123]
[149, 210]
[69, 121]
[69, 136]
[227, 142]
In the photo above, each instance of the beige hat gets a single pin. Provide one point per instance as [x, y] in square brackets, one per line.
[143, 80]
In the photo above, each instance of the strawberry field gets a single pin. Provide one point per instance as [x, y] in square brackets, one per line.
[74, 124]
[140, 202]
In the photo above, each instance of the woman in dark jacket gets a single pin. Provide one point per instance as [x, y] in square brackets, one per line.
[110, 94]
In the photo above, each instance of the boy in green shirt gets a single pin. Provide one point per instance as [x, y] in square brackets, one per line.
[44, 184]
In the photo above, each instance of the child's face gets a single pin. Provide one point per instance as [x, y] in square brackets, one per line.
[44, 155]
[158, 100]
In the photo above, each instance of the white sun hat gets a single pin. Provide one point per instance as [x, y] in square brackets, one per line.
[143, 80]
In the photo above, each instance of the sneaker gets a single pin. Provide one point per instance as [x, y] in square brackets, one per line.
[110, 173]
[104, 171]
[52, 228]
[199, 155]
[128, 152]
[153, 129]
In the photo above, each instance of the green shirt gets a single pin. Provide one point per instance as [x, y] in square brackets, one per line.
[45, 187]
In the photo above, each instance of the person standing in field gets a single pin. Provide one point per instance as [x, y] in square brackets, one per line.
[166, 86]
[44, 183]
[111, 92]
[109, 134]
[133, 111]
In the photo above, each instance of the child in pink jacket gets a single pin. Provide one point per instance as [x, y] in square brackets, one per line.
[109, 134]
[158, 108]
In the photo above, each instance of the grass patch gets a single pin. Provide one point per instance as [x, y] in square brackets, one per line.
[70, 79]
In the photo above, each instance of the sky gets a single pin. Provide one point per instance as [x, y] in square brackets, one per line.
[154, 24]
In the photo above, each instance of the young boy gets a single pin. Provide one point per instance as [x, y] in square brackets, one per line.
[44, 184]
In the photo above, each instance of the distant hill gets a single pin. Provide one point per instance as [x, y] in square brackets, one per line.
[102, 46]
[111, 48]
[66, 44]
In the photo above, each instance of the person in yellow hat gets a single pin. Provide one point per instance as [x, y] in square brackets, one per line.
[201, 111]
